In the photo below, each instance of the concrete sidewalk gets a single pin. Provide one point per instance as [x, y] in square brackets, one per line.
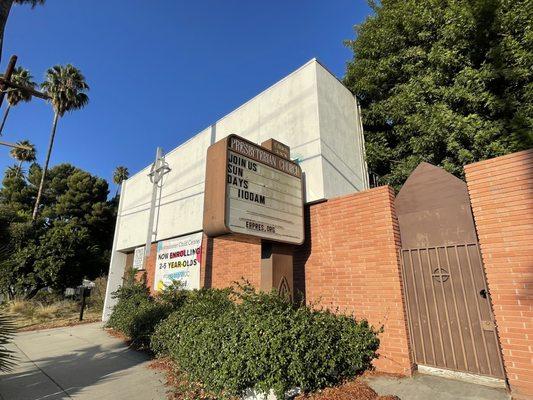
[80, 362]
[429, 387]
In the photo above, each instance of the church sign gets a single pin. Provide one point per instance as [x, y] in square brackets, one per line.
[253, 191]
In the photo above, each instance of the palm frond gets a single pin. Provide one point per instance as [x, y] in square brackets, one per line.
[7, 331]
[66, 86]
[27, 154]
[33, 3]
[7, 326]
[20, 76]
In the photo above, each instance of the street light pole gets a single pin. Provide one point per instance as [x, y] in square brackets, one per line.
[158, 170]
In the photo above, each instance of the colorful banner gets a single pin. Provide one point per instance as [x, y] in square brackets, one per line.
[179, 259]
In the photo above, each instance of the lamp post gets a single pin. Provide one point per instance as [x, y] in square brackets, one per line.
[159, 169]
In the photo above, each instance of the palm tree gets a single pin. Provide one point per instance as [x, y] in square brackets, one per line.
[14, 96]
[11, 172]
[25, 153]
[121, 174]
[66, 87]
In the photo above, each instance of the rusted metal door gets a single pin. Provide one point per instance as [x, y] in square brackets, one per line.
[449, 310]
[450, 317]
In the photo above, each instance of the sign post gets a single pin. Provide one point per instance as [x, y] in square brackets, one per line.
[256, 191]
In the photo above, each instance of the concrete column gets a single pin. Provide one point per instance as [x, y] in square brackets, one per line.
[117, 265]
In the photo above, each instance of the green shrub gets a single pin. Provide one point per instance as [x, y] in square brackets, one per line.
[262, 341]
[137, 313]
[203, 304]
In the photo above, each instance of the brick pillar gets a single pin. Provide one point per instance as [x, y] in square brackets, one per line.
[229, 259]
[149, 272]
[501, 193]
[350, 261]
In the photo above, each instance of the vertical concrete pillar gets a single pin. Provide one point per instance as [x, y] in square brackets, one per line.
[117, 265]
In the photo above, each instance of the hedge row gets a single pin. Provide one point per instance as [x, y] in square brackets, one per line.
[234, 340]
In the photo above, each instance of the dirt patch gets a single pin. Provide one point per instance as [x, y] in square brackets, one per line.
[180, 388]
[352, 390]
[118, 335]
[31, 315]
[59, 323]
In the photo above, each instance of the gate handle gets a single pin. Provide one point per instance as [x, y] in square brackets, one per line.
[483, 293]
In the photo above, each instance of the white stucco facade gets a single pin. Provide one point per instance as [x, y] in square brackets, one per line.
[309, 110]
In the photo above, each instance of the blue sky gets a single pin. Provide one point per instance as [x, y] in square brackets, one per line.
[160, 71]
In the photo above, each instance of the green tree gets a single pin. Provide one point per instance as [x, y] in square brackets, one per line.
[25, 153]
[66, 87]
[121, 174]
[5, 8]
[71, 239]
[14, 96]
[447, 82]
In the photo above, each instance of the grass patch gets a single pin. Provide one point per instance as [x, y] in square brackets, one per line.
[33, 315]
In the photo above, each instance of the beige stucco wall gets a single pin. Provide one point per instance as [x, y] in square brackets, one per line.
[309, 110]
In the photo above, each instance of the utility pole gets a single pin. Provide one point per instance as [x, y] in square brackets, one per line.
[7, 77]
[159, 169]
[6, 85]
[14, 145]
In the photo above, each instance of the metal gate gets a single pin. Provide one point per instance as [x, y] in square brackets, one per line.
[451, 323]
[448, 308]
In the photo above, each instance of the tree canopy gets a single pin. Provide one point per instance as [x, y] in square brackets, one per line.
[70, 240]
[443, 81]
[66, 87]
[121, 174]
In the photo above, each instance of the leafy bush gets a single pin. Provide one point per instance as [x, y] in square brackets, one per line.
[137, 313]
[203, 304]
[262, 341]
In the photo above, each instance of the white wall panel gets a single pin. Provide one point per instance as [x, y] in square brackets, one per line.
[340, 137]
[309, 110]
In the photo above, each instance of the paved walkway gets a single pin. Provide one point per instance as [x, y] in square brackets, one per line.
[80, 362]
[85, 363]
[428, 387]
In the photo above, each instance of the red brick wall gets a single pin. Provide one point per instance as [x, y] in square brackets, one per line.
[227, 260]
[150, 269]
[350, 261]
[501, 193]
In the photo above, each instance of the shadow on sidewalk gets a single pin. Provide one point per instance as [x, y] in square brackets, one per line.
[59, 377]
